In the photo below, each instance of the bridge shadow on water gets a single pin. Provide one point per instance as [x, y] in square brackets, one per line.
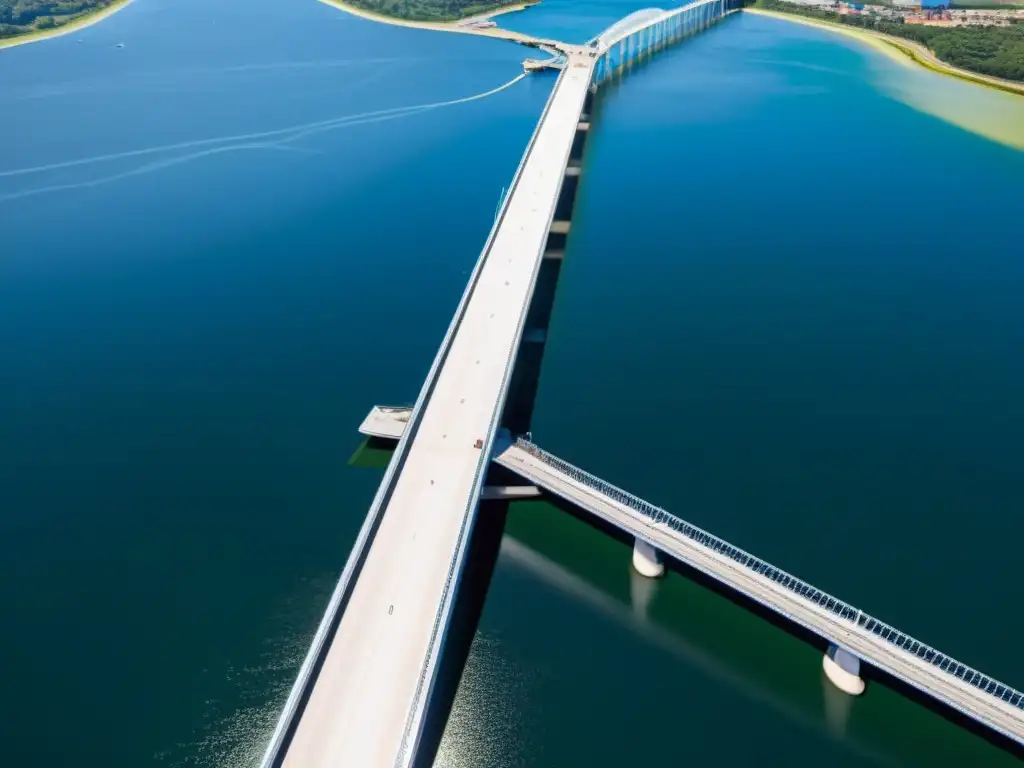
[872, 676]
[481, 558]
[494, 522]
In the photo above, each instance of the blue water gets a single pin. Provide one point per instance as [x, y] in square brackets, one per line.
[189, 340]
[765, 324]
[574, 21]
[826, 332]
[220, 249]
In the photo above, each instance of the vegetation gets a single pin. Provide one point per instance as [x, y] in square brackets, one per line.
[985, 5]
[430, 10]
[995, 51]
[20, 17]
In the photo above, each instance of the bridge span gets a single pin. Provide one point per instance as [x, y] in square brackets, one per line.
[362, 693]
[846, 628]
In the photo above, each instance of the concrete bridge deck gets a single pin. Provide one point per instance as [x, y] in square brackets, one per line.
[361, 696]
[968, 691]
[362, 693]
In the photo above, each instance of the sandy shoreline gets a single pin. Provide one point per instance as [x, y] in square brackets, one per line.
[66, 29]
[444, 26]
[905, 51]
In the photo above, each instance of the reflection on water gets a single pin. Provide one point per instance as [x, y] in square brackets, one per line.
[635, 619]
[481, 728]
[236, 728]
[580, 661]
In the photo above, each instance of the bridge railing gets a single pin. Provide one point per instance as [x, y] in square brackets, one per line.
[812, 594]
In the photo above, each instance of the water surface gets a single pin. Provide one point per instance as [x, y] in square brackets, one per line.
[222, 246]
[190, 333]
[765, 325]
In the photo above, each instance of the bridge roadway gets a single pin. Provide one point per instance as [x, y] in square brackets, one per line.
[365, 704]
[977, 696]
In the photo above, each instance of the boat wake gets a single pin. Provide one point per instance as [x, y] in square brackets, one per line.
[280, 139]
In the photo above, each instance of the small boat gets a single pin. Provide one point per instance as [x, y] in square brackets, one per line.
[119, 45]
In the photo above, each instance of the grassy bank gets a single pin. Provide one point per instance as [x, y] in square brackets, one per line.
[65, 25]
[908, 50]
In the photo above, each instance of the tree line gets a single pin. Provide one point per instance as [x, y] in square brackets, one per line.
[996, 51]
[429, 10]
[20, 16]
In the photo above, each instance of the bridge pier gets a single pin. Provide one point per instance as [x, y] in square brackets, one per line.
[647, 560]
[843, 669]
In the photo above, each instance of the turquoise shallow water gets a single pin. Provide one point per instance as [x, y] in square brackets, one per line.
[190, 333]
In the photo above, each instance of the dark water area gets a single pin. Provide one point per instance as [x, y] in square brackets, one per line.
[830, 372]
[766, 335]
[226, 240]
[190, 333]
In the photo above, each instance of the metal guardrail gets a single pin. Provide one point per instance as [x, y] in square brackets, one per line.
[801, 588]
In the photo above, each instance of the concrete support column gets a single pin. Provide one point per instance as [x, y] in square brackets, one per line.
[647, 560]
[842, 668]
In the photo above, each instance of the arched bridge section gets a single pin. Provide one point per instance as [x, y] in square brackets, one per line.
[627, 25]
[644, 32]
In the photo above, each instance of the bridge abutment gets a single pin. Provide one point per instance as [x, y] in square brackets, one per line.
[647, 560]
[843, 669]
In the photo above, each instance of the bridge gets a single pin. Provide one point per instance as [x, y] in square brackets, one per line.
[846, 628]
[371, 682]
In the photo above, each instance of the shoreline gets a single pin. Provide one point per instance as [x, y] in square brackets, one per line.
[457, 25]
[906, 51]
[86, 20]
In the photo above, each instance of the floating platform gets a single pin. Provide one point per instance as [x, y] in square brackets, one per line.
[539, 65]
